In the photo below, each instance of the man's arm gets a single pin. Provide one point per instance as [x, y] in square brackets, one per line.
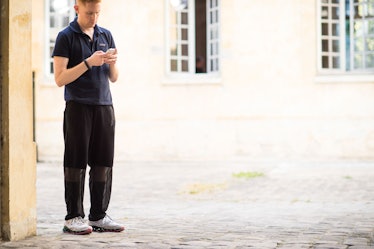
[113, 72]
[64, 76]
[111, 60]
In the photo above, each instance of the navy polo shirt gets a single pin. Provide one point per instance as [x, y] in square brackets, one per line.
[92, 87]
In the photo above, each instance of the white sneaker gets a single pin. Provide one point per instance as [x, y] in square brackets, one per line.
[106, 224]
[77, 226]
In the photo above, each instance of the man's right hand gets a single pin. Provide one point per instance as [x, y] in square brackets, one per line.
[96, 59]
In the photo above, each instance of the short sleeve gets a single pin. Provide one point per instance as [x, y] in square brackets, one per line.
[61, 46]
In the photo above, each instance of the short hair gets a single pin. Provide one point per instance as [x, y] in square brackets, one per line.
[87, 1]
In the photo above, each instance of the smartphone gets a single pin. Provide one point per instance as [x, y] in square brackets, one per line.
[110, 51]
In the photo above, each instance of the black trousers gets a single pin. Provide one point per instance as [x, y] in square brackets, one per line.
[89, 140]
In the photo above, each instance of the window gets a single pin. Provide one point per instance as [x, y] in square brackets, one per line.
[346, 36]
[59, 14]
[193, 38]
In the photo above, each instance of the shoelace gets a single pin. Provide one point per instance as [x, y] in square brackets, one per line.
[108, 218]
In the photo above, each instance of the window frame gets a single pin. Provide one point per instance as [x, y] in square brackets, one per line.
[341, 39]
[48, 60]
[191, 77]
[340, 74]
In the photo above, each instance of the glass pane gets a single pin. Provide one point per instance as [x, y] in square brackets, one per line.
[370, 24]
[358, 28]
[370, 61]
[213, 33]
[65, 21]
[335, 13]
[335, 29]
[52, 23]
[370, 44]
[358, 61]
[213, 65]
[335, 1]
[185, 50]
[184, 65]
[325, 13]
[58, 5]
[184, 18]
[358, 45]
[179, 5]
[216, 17]
[184, 34]
[325, 29]
[358, 12]
[325, 45]
[51, 9]
[335, 62]
[325, 1]
[173, 65]
[335, 46]
[363, 10]
[370, 11]
[325, 62]
[173, 48]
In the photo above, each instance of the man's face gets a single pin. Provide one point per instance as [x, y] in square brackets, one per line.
[88, 14]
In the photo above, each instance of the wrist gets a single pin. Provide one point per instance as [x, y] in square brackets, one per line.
[87, 64]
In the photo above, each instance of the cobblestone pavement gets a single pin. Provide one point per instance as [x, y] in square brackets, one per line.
[210, 205]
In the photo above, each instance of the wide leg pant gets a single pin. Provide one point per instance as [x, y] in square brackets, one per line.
[89, 140]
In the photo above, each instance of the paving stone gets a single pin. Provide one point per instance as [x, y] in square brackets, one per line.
[361, 247]
[356, 241]
[296, 205]
[330, 246]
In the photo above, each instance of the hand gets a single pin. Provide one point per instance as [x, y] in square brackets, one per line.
[110, 58]
[96, 59]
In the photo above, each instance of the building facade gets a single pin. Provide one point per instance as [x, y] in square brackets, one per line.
[282, 80]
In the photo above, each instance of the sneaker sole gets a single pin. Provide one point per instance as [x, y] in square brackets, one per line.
[102, 229]
[67, 230]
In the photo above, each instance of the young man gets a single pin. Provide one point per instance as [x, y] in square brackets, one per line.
[84, 61]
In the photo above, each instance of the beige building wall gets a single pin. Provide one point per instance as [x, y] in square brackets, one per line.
[269, 103]
[18, 153]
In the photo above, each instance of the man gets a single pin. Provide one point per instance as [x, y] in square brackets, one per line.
[84, 61]
[200, 64]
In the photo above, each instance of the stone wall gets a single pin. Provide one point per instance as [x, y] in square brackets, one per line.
[18, 152]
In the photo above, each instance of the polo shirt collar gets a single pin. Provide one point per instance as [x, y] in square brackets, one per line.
[75, 27]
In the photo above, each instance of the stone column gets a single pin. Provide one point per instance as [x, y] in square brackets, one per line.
[18, 152]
